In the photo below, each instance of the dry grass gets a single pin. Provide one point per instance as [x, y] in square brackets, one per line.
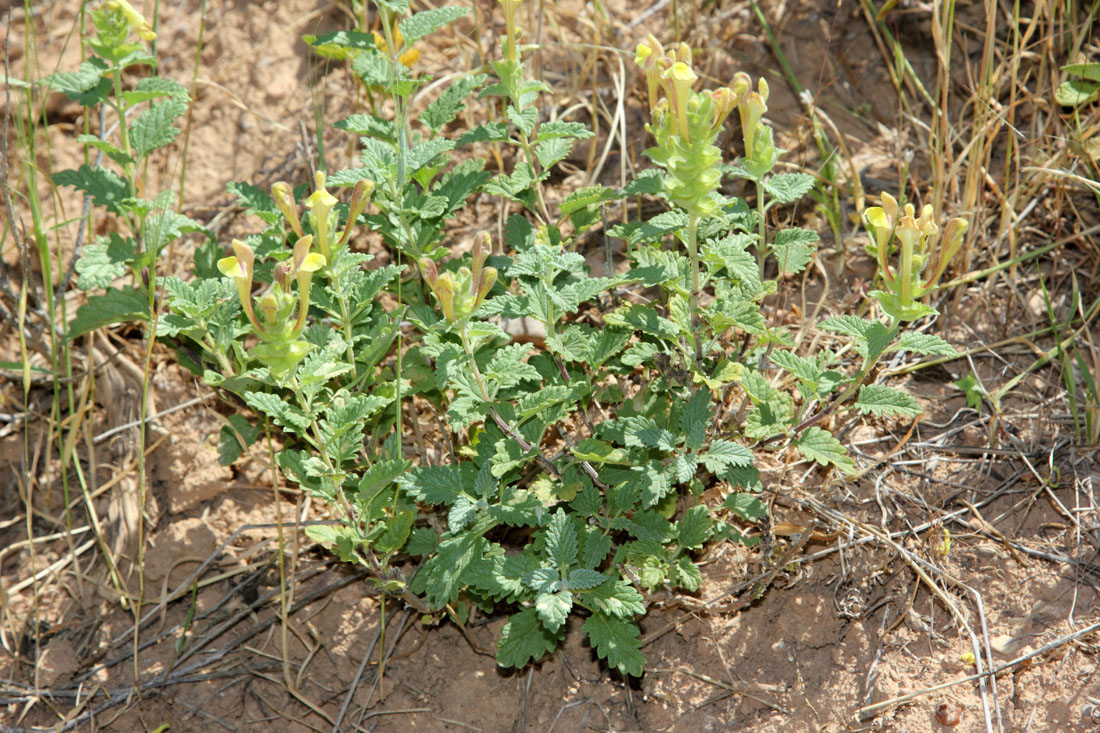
[973, 128]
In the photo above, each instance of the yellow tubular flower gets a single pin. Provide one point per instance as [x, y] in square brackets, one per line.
[681, 78]
[240, 269]
[909, 234]
[320, 204]
[284, 199]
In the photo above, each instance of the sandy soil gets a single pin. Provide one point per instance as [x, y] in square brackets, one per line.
[876, 607]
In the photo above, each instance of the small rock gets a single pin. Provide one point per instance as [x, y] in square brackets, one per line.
[56, 664]
[1004, 645]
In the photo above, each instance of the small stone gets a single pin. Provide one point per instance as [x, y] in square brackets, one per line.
[56, 664]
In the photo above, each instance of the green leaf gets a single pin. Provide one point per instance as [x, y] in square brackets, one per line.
[376, 479]
[279, 410]
[923, 343]
[722, 454]
[594, 450]
[153, 128]
[340, 540]
[561, 540]
[443, 109]
[423, 541]
[524, 639]
[553, 608]
[553, 151]
[1076, 92]
[443, 571]
[645, 432]
[88, 85]
[878, 399]
[694, 419]
[643, 318]
[972, 390]
[615, 597]
[108, 149]
[559, 128]
[106, 187]
[694, 528]
[436, 484]
[125, 305]
[746, 506]
[230, 445]
[255, 200]
[155, 87]
[418, 25]
[786, 188]
[585, 579]
[396, 532]
[523, 120]
[617, 641]
[103, 261]
[1089, 70]
[793, 249]
[819, 445]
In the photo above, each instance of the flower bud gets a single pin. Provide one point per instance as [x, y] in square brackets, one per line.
[444, 290]
[284, 199]
[428, 271]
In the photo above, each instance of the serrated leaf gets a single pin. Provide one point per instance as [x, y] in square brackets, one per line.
[923, 343]
[103, 261]
[524, 120]
[442, 110]
[524, 639]
[642, 318]
[561, 539]
[878, 399]
[106, 187]
[155, 87]
[553, 608]
[585, 579]
[615, 597]
[395, 535]
[684, 467]
[154, 127]
[793, 249]
[88, 85]
[230, 437]
[820, 446]
[418, 25]
[786, 188]
[434, 484]
[694, 528]
[422, 542]
[616, 641]
[443, 571]
[722, 454]
[694, 418]
[552, 151]
[746, 506]
[282, 412]
[124, 305]
[108, 149]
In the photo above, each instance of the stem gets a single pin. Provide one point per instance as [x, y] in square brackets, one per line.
[762, 245]
[693, 301]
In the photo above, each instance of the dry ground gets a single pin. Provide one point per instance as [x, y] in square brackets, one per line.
[973, 532]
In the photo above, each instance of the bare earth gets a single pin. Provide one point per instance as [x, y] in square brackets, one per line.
[967, 535]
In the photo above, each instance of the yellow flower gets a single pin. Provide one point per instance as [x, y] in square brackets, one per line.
[136, 20]
[408, 57]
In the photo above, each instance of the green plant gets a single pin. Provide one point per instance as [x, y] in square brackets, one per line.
[574, 473]
[149, 225]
